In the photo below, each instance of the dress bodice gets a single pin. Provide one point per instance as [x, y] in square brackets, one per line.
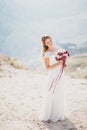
[52, 54]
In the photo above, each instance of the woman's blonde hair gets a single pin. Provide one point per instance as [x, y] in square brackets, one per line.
[44, 47]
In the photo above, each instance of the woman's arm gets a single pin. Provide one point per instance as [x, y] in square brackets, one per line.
[48, 66]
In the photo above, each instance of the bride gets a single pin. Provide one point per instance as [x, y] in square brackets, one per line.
[54, 104]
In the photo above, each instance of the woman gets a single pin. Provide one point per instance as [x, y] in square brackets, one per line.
[54, 104]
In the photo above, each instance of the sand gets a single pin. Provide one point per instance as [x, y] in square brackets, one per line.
[21, 98]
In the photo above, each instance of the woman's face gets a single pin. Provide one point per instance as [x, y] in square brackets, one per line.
[48, 42]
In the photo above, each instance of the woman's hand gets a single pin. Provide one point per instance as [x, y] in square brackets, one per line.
[61, 61]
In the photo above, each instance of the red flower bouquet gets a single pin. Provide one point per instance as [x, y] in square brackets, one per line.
[62, 56]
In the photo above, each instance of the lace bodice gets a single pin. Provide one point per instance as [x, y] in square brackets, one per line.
[52, 54]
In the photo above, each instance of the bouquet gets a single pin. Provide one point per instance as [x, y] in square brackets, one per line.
[60, 56]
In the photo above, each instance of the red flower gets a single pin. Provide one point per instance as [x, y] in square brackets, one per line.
[59, 53]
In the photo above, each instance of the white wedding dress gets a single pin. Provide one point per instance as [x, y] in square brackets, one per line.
[53, 106]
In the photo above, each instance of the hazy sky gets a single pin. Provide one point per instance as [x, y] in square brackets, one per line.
[64, 20]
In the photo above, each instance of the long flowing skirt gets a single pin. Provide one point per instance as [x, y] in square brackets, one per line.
[54, 104]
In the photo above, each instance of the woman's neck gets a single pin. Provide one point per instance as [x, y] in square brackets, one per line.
[51, 49]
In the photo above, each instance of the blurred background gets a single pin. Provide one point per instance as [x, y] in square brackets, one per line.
[24, 22]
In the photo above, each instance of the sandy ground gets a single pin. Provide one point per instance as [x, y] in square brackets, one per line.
[21, 97]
